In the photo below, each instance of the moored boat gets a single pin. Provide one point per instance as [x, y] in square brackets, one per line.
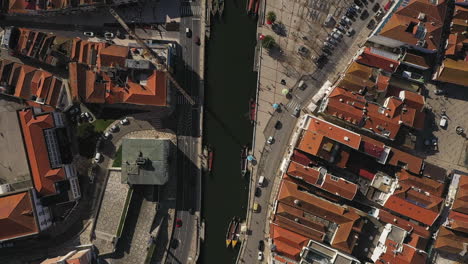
[244, 153]
[210, 159]
[230, 231]
[252, 110]
[235, 238]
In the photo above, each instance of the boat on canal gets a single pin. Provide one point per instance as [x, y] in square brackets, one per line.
[252, 110]
[235, 239]
[250, 5]
[210, 159]
[220, 8]
[231, 231]
[244, 154]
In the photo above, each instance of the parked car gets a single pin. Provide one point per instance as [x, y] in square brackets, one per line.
[364, 15]
[331, 40]
[296, 112]
[278, 125]
[197, 41]
[108, 35]
[114, 128]
[258, 192]
[371, 24]
[270, 140]
[124, 121]
[302, 85]
[327, 51]
[320, 61]
[376, 7]
[350, 32]
[341, 28]
[88, 34]
[97, 157]
[343, 23]
[260, 256]
[440, 92]
[347, 20]
[328, 46]
[178, 222]
[188, 32]
[107, 135]
[443, 122]
[261, 245]
[303, 51]
[357, 8]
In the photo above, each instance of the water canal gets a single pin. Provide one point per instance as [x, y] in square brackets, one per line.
[230, 84]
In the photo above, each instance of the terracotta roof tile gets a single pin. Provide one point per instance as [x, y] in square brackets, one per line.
[334, 132]
[458, 221]
[307, 174]
[17, 217]
[44, 176]
[408, 209]
[113, 56]
[377, 61]
[433, 187]
[413, 100]
[461, 200]
[450, 241]
[402, 254]
[287, 242]
[452, 71]
[389, 218]
[405, 160]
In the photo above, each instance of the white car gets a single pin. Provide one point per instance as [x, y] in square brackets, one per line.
[106, 135]
[125, 121]
[260, 255]
[98, 157]
[443, 122]
[109, 35]
[270, 140]
[89, 34]
[114, 128]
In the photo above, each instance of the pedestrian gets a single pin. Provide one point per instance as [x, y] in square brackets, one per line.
[283, 81]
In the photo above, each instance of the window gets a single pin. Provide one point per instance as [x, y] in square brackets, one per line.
[334, 178]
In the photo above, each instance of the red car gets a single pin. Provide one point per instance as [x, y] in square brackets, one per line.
[178, 222]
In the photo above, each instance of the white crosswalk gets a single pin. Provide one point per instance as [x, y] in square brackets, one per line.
[291, 105]
[181, 100]
[190, 10]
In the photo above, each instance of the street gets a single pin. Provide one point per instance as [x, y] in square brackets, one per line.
[188, 206]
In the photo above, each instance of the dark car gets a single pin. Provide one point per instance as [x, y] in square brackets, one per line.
[278, 125]
[376, 7]
[321, 61]
[261, 245]
[197, 41]
[364, 15]
[371, 24]
[359, 3]
[327, 51]
[174, 243]
[258, 192]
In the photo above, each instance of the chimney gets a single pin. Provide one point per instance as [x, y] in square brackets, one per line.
[346, 138]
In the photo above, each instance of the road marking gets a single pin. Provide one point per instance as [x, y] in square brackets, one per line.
[292, 104]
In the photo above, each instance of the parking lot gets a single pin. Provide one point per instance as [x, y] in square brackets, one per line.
[451, 151]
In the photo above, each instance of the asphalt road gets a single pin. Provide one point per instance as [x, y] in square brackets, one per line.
[188, 185]
[273, 154]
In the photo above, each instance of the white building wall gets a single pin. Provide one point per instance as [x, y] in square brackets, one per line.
[44, 216]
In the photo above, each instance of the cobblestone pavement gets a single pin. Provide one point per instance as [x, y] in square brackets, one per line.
[452, 148]
[110, 212]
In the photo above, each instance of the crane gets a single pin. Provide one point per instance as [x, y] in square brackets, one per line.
[160, 63]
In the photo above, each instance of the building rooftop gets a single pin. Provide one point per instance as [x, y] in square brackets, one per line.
[453, 71]
[73, 257]
[426, 184]
[450, 241]
[461, 199]
[145, 161]
[286, 242]
[34, 129]
[420, 23]
[17, 216]
[378, 59]
[411, 209]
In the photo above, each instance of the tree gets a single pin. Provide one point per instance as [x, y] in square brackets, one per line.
[268, 42]
[271, 17]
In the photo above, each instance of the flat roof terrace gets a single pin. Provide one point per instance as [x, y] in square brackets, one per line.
[14, 168]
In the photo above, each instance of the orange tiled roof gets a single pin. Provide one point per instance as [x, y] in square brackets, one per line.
[450, 241]
[389, 218]
[44, 177]
[458, 221]
[17, 217]
[113, 56]
[307, 174]
[408, 209]
[377, 61]
[433, 187]
[412, 100]
[403, 159]
[453, 71]
[349, 222]
[398, 27]
[287, 242]
[401, 254]
[461, 200]
[334, 132]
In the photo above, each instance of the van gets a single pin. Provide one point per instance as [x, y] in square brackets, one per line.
[97, 158]
[302, 85]
[261, 181]
[443, 122]
[256, 207]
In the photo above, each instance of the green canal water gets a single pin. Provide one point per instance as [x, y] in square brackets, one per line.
[230, 84]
